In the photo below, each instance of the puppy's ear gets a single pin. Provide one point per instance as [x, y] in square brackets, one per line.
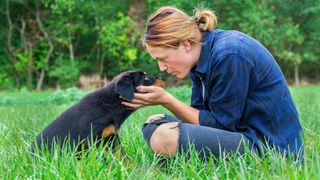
[124, 87]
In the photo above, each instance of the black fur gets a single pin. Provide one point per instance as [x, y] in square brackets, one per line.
[87, 119]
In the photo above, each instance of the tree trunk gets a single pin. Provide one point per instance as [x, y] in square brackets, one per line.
[9, 48]
[49, 53]
[71, 53]
[29, 77]
[296, 75]
[28, 47]
[136, 12]
[100, 56]
[42, 73]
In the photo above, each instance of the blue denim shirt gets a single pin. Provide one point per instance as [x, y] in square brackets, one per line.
[238, 86]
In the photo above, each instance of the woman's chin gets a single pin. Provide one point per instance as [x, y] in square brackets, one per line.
[180, 76]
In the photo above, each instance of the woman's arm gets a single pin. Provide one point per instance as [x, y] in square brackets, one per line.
[151, 95]
[182, 111]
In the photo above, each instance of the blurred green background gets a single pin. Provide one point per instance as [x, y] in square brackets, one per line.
[49, 44]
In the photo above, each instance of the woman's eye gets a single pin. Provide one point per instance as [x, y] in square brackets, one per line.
[161, 59]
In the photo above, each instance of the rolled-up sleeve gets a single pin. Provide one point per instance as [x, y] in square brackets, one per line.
[229, 84]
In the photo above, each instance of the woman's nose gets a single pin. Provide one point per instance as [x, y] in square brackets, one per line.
[162, 67]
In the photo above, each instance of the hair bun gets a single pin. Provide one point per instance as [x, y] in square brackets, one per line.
[205, 19]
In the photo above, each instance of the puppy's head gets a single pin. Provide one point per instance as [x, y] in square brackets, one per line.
[127, 82]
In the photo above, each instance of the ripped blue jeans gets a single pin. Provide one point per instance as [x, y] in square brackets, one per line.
[206, 140]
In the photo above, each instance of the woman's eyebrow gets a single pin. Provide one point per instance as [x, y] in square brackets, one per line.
[160, 58]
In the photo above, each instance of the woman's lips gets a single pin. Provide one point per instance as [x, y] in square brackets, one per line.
[172, 72]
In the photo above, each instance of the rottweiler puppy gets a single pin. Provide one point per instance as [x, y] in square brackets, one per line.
[97, 116]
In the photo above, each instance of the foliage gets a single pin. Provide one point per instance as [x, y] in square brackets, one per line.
[119, 40]
[66, 72]
[103, 37]
[6, 82]
[68, 96]
[59, 97]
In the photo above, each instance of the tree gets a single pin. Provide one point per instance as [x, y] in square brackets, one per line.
[52, 42]
[297, 29]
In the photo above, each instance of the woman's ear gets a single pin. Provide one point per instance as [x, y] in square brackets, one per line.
[186, 44]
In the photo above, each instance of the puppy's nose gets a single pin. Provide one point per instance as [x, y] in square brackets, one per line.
[159, 82]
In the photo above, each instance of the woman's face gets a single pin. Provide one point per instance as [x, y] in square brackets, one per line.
[177, 62]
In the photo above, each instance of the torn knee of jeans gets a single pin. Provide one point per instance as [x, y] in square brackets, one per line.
[155, 117]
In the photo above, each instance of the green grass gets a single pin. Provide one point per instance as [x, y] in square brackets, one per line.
[23, 115]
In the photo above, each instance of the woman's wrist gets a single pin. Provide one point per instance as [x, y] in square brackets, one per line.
[167, 99]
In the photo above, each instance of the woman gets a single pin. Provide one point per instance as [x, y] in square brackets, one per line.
[239, 94]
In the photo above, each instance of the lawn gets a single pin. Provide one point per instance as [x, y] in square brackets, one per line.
[24, 114]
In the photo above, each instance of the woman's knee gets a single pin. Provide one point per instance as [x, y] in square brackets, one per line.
[155, 117]
[164, 140]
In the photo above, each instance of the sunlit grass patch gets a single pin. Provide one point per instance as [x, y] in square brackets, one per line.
[22, 119]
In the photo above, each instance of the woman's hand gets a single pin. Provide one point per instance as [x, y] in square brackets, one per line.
[148, 95]
[152, 95]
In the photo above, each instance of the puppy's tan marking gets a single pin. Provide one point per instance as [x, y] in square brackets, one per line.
[107, 131]
[159, 83]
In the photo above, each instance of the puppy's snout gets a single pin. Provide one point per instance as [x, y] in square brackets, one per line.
[159, 82]
[151, 81]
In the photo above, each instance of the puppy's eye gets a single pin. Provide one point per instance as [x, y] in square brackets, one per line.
[147, 81]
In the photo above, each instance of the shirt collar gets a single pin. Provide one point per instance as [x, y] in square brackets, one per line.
[203, 64]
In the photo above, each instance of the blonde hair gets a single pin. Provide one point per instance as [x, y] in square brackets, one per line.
[168, 26]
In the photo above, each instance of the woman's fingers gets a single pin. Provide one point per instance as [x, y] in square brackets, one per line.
[140, 96]
[147, 95]
[146, 89]
[138, 101]
[131, 106]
